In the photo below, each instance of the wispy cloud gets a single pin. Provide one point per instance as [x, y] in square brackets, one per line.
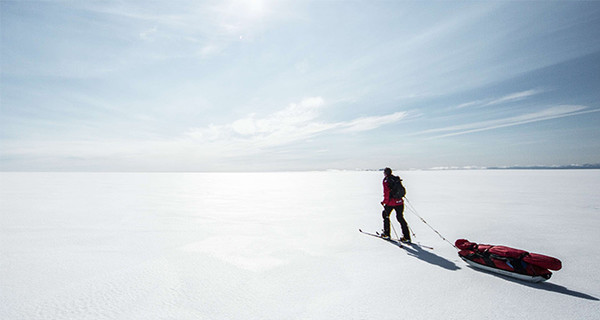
[370, 123]
[296, 122]
[546, 114]
[191, 28]
[512, 97]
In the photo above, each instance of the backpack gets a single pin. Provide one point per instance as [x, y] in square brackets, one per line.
[397, 190]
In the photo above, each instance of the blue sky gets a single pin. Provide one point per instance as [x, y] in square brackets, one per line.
[297, 85]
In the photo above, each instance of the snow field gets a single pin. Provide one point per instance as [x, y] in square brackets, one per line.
[286, 245]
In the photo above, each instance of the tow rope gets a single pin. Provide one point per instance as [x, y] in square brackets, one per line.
[414, 211]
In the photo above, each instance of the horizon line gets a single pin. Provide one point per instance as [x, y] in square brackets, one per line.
[586, 166]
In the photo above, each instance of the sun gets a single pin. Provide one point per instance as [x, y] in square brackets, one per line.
[253, 8]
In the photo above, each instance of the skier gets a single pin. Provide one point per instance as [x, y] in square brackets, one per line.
[393, 192]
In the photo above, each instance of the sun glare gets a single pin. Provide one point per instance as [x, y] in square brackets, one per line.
[256, 8]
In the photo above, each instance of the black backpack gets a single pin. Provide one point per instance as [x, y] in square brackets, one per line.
[397, 190]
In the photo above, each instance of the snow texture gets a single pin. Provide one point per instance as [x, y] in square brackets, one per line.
[287, 246]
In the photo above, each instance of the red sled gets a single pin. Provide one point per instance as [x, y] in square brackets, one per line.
[508, 261]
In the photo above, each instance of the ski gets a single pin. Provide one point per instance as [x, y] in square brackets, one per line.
[394, 241]
[412, 243]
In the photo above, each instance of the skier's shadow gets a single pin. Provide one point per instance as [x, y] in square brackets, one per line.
[545, 286]
[416, 251]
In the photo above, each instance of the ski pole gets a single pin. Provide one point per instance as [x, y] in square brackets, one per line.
[394, 228]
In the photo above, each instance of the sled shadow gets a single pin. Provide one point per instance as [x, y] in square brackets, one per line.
[416, 251]
[544, 286]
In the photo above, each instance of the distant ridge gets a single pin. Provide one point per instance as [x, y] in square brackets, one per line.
[538, 167]
[570, 166]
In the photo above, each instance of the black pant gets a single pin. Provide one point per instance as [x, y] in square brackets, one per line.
[399, 216]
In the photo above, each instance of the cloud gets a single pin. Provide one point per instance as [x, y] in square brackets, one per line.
[513, 97]
[190, 28]
[370, 123]
[546, 114]
[517, 96]
[209, 50]
[148, 35]
[208, 147]
[296, 122]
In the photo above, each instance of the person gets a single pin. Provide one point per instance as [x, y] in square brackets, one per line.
[389, 204]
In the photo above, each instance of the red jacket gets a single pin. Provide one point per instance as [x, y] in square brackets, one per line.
[387, 201]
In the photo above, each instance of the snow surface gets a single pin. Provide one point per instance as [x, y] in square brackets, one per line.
[287, 246]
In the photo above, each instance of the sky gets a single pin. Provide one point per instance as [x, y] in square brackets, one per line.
[262, 85]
